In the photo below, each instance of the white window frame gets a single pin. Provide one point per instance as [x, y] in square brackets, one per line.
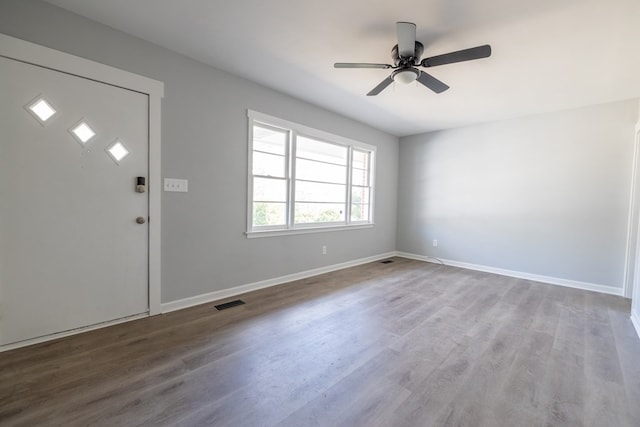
[293, 130]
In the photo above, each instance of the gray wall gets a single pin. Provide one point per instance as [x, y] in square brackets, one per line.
[204, 139]
[546, 195]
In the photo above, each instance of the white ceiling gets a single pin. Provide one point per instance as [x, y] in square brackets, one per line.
[548, 55]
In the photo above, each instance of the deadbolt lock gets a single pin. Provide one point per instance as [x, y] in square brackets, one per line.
[141, 184]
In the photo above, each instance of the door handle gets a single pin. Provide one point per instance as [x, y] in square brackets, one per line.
[140, 220]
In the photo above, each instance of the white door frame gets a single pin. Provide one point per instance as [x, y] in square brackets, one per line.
[13, 48]
[630, 266]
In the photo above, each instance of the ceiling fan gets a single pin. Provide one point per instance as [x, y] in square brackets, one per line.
[406, 57]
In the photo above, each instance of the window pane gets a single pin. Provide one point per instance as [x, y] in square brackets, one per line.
[359, 212]
[323, 151]
[268, 164]
[317, 192]
[269, 140]
[360, 195]
[269, 213]
[269, 190]
[360, 159]
[318, 171]
[360, 177]
[306, 213]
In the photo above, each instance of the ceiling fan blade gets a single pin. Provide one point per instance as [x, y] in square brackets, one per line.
[458, 56]
[360, 65]
[406, 38]
[432, 83]
[376, 90]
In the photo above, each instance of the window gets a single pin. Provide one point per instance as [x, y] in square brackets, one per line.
[304, 180]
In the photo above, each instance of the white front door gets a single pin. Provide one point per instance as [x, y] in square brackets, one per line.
[71, 251]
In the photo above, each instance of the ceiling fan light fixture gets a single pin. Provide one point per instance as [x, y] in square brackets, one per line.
[406, 75]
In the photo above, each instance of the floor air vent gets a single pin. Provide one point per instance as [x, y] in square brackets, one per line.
[229, 304]
[386, 261]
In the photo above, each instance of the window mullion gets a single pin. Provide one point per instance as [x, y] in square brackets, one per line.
[291, 178]
[370, 176]
[349, 176]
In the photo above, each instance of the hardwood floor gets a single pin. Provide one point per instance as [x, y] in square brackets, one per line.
[401, 344]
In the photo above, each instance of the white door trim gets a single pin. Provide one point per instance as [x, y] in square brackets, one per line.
[31, 53]
[634, 218]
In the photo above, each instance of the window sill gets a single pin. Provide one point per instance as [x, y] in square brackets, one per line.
[274, 233]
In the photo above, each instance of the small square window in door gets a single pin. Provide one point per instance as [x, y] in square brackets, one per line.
[41, 109]
[82, 132]
[117, 151]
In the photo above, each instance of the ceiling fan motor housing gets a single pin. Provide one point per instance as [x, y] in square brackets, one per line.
[400, 61]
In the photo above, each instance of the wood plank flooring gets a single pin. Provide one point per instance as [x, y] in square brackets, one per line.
[401, 344]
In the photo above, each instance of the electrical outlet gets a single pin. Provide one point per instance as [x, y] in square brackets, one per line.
[324, 249]
[435, 243]
[180, 185]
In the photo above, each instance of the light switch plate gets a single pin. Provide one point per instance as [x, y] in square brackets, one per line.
[181, 185]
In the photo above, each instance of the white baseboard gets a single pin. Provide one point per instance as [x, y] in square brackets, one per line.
[237, 290]
[226, 293]
[76, 331]
[635, 319]
[520, 275]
